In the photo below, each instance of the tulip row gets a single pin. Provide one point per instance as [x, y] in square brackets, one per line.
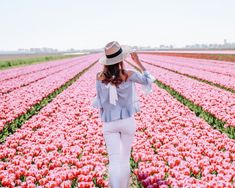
[224, 81]
[209, 66]
[22, 60]
[19, 105]
[30, 69]
[26, 79]
[61, 146]
[218, 102]
[224, 68]
[175, 148]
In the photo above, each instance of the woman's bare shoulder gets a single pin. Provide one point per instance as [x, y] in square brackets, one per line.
[99, 76]
[129, 72]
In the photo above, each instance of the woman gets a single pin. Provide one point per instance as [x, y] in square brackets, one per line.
[116, 97]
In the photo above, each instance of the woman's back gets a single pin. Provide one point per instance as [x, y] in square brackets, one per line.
[126, 103]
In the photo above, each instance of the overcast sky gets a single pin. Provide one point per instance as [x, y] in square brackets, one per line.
[81, 24]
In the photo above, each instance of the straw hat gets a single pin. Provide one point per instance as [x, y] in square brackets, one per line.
[114, 53]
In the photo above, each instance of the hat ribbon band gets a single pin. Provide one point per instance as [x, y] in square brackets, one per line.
[115, 54]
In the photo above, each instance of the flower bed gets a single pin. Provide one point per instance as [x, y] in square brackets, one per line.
[61, 146]
[20, 101]
[216, 101]
[225, 78]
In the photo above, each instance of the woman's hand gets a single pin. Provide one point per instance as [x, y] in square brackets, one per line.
[135, 57]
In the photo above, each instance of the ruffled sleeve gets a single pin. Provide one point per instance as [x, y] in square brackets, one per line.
[96, 103]
[145, 78]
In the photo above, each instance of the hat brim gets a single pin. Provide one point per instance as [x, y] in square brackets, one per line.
[126, 50]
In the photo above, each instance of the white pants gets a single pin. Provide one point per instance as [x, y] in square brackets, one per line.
[119, 135]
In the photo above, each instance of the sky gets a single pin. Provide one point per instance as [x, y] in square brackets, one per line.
[90, 24]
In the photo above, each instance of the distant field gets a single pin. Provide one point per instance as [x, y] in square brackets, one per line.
[15, 60]
[197, 51]
[222, 56]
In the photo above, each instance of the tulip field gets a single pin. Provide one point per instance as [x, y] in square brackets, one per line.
[212, 71]
[16, 100]
[51, 136]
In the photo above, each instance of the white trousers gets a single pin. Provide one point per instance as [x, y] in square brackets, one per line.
[119, 135]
